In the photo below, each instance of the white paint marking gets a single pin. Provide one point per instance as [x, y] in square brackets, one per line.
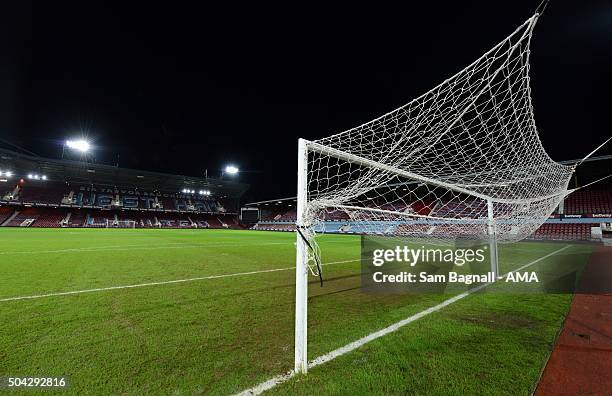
[148, 246]
[171, 245]
[271, 383]
[68, 293]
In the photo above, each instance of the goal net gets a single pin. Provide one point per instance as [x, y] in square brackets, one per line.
[444, 160]
[120, 224]
[463, 160]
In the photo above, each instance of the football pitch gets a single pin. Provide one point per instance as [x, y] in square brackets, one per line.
[211, 312]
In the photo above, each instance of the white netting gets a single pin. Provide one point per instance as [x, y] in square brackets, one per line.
[120, 224]
[429, 168]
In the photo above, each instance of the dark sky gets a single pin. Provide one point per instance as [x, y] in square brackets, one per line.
[180, 89]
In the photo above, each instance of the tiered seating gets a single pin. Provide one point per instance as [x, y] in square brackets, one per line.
[274, 227]
[589, 201]
[422, 208]
[272, 214]
[25, 214]
[433, 230]
[394, 207]
[49, 218]
[467, 209]
[290, 215]
[174, 220]
[336, 215]
[564, 231]
[94, 219]
[77, 219]
[212, 221]
[5, 213]
[41, 193]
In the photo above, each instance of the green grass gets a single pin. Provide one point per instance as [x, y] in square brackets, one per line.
[219, 336]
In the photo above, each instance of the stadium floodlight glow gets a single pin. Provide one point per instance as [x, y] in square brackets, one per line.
[81, 145]
[43, 177]
[8, 174]
[231, 169]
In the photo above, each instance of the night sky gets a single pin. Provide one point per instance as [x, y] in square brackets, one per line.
[181, 89]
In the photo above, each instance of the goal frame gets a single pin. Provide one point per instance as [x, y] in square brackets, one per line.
[109, 223]
[301, 267]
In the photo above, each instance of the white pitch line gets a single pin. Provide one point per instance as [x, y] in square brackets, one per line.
[271, 383]
[68, 293]
[148, 246]
[171, 245]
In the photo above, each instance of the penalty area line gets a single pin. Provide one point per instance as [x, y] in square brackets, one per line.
[272, 382]
[68, 293]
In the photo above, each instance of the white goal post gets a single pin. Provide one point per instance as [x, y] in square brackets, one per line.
[462, 161]
[306, 249]
[120, 223]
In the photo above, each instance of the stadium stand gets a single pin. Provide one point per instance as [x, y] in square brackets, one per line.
[564, 231]
[49, 218]
[5, 213]
[584, 211]
[24, 218]
[589, 201]
[76, 219]
[40, 193]
[290, 215]
[46, 192]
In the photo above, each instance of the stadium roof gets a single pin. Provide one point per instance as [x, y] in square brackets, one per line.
[79, 172]
[272, 201]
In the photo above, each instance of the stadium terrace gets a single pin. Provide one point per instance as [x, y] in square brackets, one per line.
[42, 192]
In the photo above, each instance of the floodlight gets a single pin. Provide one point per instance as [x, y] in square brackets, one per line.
[44, 177]
[8, 173]
[30, 176]
[232, 170]
[80, 145]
